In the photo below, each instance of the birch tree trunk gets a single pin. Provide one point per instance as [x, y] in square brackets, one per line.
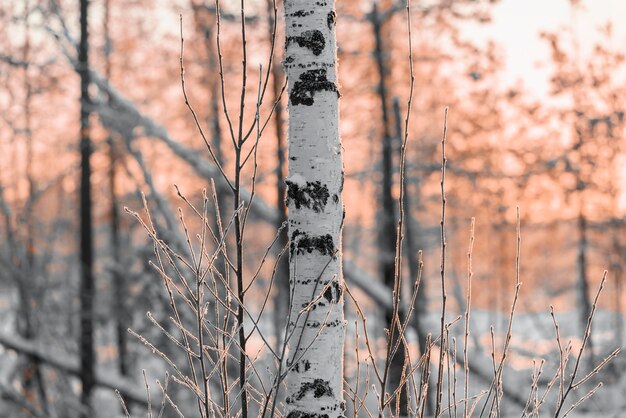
[315, 182]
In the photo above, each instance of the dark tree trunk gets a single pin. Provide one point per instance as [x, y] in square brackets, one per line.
[204, 19]
[412, 229]
[584, 303]
[281, 281]
[582, 285]
[33, 379]
[387, 229]
[618, 272]
[119, 285]
[86, 346]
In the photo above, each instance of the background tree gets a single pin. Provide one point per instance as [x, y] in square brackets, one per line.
[87, 351]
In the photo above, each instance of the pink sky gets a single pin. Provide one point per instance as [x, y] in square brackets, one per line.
[517, 23]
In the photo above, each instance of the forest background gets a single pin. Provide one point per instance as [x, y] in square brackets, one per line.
[536, 95]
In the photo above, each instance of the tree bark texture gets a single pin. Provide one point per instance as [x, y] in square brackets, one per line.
[316, 329]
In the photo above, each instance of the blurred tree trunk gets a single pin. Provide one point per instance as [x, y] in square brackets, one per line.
[30, 230]
[616, 225]
[122, 321]
[281, 281]
[204, 17]
[617, 270]
[205, 21]
[86, 346]
[32, 378]
[582, 283]
[412, 230]
[580, 125]
[501, 266]
[314, 198]
[584, 304]
[387, 228]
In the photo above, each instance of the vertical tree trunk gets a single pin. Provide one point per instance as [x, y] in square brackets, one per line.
[582, 285]
[411, 228]
[387, 229]
[205, 24]
[616, 251]
[617, 270]
[28, 91]
[86, 346]
[314, 199]
[584, 305]
[33, 378]
[281, 281]
[119, 291]
[205, 21]
[500, 268]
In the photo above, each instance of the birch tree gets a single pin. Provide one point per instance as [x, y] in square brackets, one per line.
[314, 198]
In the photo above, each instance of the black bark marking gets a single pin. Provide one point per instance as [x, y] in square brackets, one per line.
[343, 177]
[310, 82]
[319, 387]
[301, 243]
[301, 414]
[313, 196]
[312, 307]
[317, 324]
[333, 292]
[302, 13]
[331, 19]
[302, 366]
[310, 39]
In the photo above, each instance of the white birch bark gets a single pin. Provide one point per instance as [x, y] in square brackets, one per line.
[315, 182]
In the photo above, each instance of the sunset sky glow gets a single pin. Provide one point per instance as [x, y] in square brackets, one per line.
[516, 25]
